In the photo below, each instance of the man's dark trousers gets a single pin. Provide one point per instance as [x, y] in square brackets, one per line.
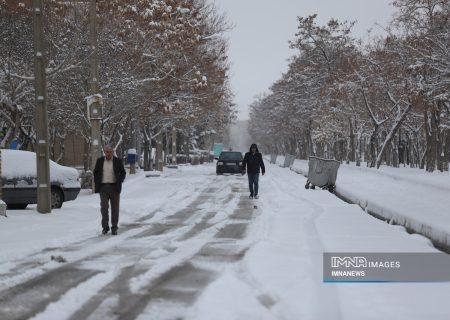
[253, 183]
[108, 193]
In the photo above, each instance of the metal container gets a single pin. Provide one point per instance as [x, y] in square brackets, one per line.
[322, 173]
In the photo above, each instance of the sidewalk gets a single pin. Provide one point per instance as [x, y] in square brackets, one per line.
[413, 198]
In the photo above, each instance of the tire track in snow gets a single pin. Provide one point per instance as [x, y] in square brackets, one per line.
[170, 280]
[37, 263]
[37, 290]
[177, 284]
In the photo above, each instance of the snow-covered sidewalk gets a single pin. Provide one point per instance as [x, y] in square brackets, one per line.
[413, 198]
[281, 275]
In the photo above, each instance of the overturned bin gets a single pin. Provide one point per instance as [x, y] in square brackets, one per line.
[322, 173]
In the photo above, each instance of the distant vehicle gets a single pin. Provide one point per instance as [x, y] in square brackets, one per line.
[229, 162]
[19, 180]
[217, 148]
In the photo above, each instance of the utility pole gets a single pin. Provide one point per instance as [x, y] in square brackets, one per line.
[95, 101]
[40, 88]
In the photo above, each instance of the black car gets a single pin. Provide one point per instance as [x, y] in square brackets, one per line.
[229, 162]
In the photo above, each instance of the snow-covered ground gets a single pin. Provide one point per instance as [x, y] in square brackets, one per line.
[192, 246]
[413, 198]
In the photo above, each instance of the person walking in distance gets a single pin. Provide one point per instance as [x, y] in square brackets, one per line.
[109, 174]
[253, 161]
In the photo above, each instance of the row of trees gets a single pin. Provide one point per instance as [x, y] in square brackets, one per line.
[386, 101]
[163, 66]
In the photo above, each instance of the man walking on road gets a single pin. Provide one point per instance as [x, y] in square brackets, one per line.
[253, 160]
[109, 173]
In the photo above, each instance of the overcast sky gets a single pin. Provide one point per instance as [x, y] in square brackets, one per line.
[259, 41]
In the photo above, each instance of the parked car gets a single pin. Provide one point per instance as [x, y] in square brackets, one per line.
[229, 162]
[19, 180]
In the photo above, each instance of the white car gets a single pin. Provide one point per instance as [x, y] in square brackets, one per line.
[19, 180]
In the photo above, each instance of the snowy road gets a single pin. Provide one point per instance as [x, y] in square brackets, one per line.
[192, 246]
[153, 262]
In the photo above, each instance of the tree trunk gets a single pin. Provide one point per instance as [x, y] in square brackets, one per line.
[440, 139]
[52, 144]
[311, 151]
[359, 152]
[443, 150]
[367, 151]
[159, 162]
[174, 146]
[411, 152]
[146, 155]
[303, 151]
[446, 150]
[341, 149]
[352, 155]
[420, 151]
[373, 147]
[186, 148]
[395, 155]
[62, 149]
[431, 128]
[387, 155]
[392, 133]
[167, 147]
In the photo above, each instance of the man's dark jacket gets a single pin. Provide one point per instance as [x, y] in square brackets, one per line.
[253, 161]
[119, 172]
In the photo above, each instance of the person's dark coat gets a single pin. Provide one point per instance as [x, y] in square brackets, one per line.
[119, 172]
[253, 161]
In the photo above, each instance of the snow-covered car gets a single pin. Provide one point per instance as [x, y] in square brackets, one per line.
[19, 180]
